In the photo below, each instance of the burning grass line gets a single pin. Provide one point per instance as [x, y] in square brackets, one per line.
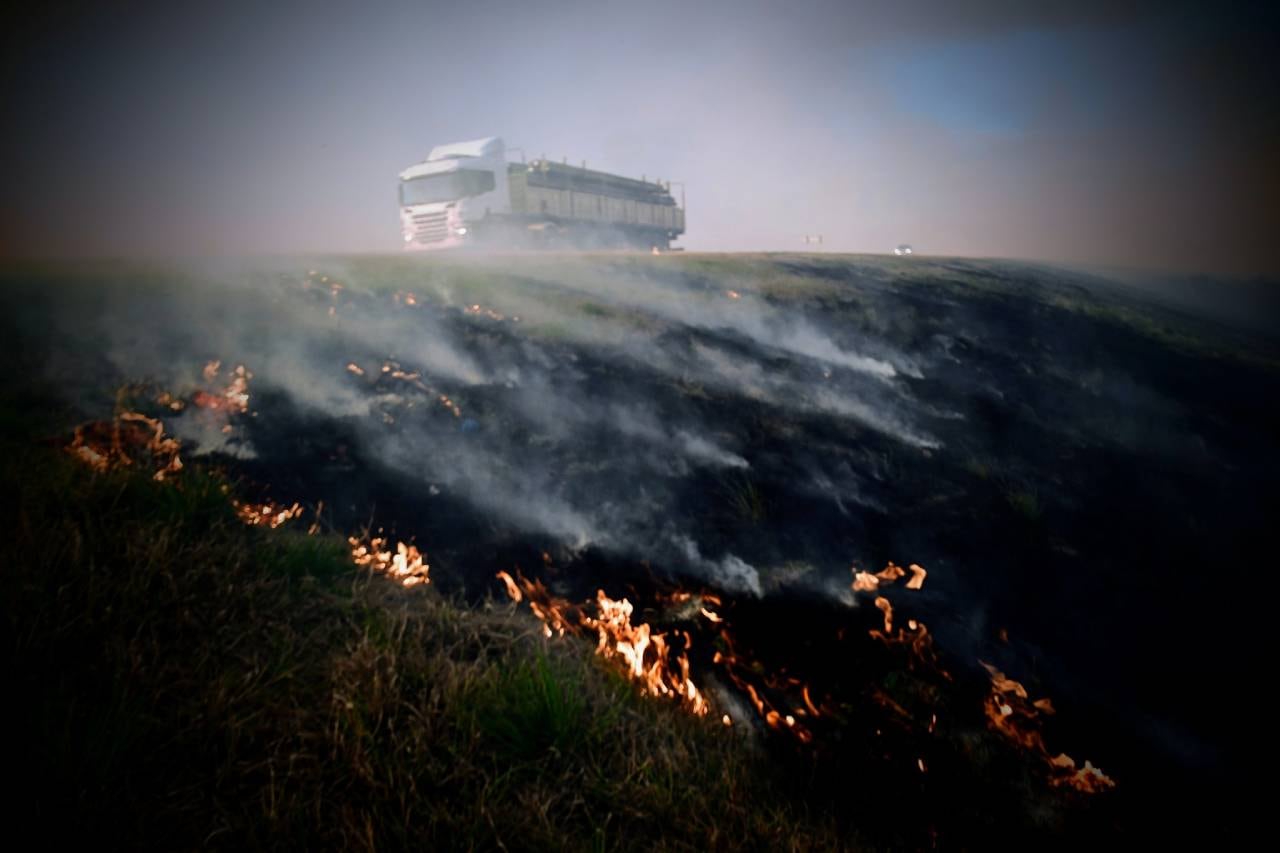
[644, 656]
[1008, 707]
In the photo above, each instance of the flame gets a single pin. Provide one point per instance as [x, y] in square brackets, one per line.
[918, 574]
[648, 658]
[234, 398]
[733, 294]
[864, 582]
[890, 573]
[405, 563]
[1010, 712]
[887, 609]
[450, 405]
[354, 368]
[741, 673]
[266, 514]
[480, 310]
[103, 445]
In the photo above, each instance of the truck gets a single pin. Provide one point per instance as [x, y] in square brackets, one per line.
[468, 194]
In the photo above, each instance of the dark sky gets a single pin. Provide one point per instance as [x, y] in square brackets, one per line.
[1137, 134]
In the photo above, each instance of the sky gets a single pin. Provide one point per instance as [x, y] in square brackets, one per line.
[1132, 134]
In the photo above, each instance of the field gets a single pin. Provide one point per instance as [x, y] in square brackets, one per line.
[1073, 476]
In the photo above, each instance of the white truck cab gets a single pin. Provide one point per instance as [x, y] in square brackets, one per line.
[455, 189]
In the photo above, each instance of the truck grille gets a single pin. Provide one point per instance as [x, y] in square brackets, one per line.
[430, 227]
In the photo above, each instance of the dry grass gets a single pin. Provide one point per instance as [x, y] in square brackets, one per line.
[177, 680]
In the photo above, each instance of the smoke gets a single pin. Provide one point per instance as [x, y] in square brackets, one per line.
[730, 572]
[582, 401]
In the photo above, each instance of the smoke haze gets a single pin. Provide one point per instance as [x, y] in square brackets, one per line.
[1135, 134]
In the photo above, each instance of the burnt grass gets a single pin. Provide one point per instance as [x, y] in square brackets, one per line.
[1097, 485]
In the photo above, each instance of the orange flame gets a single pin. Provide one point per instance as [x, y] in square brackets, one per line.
[405, 563]
[266, 514]
[233, 398]
[487, 312]
[646, 657]
[887, 609]
[104, 445]
[918, 574]
[1010, 712]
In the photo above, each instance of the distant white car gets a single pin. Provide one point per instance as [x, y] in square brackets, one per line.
[902, 249]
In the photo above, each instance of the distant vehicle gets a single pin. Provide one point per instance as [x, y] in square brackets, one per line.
[903, 249]
[467, 194]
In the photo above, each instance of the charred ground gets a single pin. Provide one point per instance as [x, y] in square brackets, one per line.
[1070, 461]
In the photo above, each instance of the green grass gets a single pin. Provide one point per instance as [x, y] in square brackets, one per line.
[745, 500]
[178, 680]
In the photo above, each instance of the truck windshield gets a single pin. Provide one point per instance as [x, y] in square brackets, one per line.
[445, 187]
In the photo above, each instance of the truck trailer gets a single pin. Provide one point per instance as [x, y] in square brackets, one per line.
[467, 194]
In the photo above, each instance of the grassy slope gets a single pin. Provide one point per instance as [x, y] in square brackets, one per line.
[180, 681]
[186, 681]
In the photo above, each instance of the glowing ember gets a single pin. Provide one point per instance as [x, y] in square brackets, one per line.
[352, 367]
[733, 294]
[480, 310]
[405, 563]
[744, 674]
[450, 405]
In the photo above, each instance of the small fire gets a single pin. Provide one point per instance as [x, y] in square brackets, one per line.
[867, 582]
[354, 368]
[744, 676]
[405, 563]
[104, 445]
[649, 659]
[733, 294]
[234, 398]
[1010, 712]
[266, 514]
[450, 405]
[480, 310]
